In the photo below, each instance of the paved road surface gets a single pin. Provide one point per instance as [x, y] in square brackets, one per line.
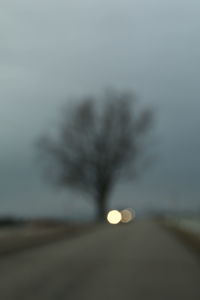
[141, 261]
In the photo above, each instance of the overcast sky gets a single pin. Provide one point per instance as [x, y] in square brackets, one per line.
[52, 50]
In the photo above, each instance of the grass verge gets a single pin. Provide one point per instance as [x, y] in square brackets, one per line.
[190, 239]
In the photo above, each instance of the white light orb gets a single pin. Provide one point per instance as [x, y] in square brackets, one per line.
[114, 217]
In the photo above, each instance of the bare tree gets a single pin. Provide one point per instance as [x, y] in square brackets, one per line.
[97, 144]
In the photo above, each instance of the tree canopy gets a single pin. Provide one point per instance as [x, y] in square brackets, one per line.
[97, 144]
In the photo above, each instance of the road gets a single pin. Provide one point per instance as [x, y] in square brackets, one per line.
[138, 261]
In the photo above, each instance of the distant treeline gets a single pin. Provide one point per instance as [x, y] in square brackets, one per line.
[11, 221]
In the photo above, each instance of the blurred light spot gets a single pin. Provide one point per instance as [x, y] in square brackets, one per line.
[114, 217]
[127, 215]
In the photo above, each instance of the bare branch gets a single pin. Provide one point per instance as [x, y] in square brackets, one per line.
[97, 146]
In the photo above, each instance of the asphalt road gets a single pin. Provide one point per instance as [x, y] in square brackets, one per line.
[139, 261]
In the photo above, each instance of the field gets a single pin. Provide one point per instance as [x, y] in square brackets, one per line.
[17, 238]
[187, 229]
[189, 224]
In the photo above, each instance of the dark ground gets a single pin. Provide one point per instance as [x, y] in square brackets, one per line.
[138, 261]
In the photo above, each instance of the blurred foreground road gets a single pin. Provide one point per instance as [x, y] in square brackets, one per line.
[138, 261]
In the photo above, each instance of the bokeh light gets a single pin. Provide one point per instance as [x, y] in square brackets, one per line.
[127, 215]
[114, 217]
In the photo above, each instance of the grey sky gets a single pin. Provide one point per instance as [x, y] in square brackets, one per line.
[52, 50]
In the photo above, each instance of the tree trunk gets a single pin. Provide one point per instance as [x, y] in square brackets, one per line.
[101, 208]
